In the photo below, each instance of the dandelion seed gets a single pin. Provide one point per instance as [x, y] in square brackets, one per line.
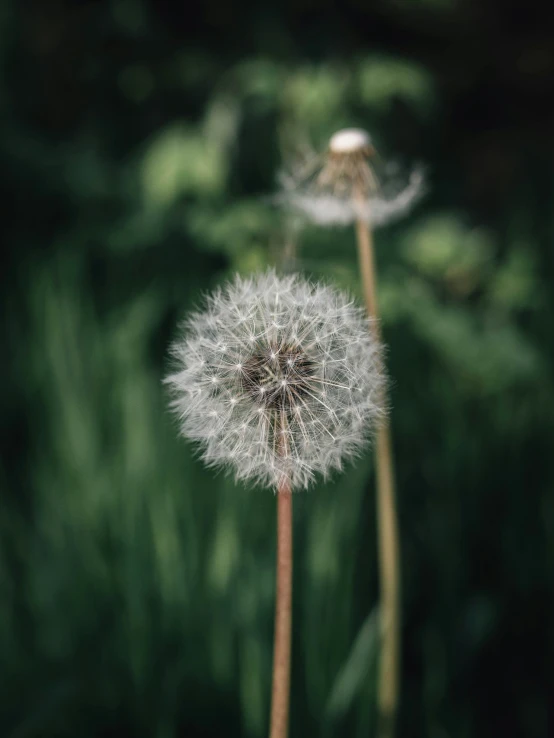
[342, 185]
[286, 415]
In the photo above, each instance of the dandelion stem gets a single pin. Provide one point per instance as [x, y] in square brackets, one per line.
[388, 540]
[283, 616]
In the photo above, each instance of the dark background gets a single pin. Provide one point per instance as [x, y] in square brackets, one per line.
[139, 141]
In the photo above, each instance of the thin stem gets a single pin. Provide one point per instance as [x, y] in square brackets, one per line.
[283, 616]
[388, 539]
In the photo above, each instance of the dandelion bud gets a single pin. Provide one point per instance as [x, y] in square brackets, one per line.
[277, 379]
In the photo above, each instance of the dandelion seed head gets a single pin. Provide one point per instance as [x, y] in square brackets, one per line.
[289, 413]
[349, 182]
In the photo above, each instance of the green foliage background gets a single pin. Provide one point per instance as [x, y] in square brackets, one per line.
[139, 143]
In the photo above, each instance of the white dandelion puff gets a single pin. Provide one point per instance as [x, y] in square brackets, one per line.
[349, 183]
[278, 379]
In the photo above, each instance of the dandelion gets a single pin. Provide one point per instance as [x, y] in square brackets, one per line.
[343, 187]
[348, 183]
[278, 380]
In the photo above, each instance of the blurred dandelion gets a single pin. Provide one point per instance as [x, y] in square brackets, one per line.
[343, 186]
[349, 182]
[278, 379]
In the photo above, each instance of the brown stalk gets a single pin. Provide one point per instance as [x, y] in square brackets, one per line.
[387, 526]
[283, 616]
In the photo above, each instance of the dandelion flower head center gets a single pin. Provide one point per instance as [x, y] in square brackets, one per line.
[350, 141]
[347, 171]
[278, 378]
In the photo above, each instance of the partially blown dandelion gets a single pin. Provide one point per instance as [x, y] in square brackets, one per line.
[339, 188]
[347, 183]
[278, 379]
